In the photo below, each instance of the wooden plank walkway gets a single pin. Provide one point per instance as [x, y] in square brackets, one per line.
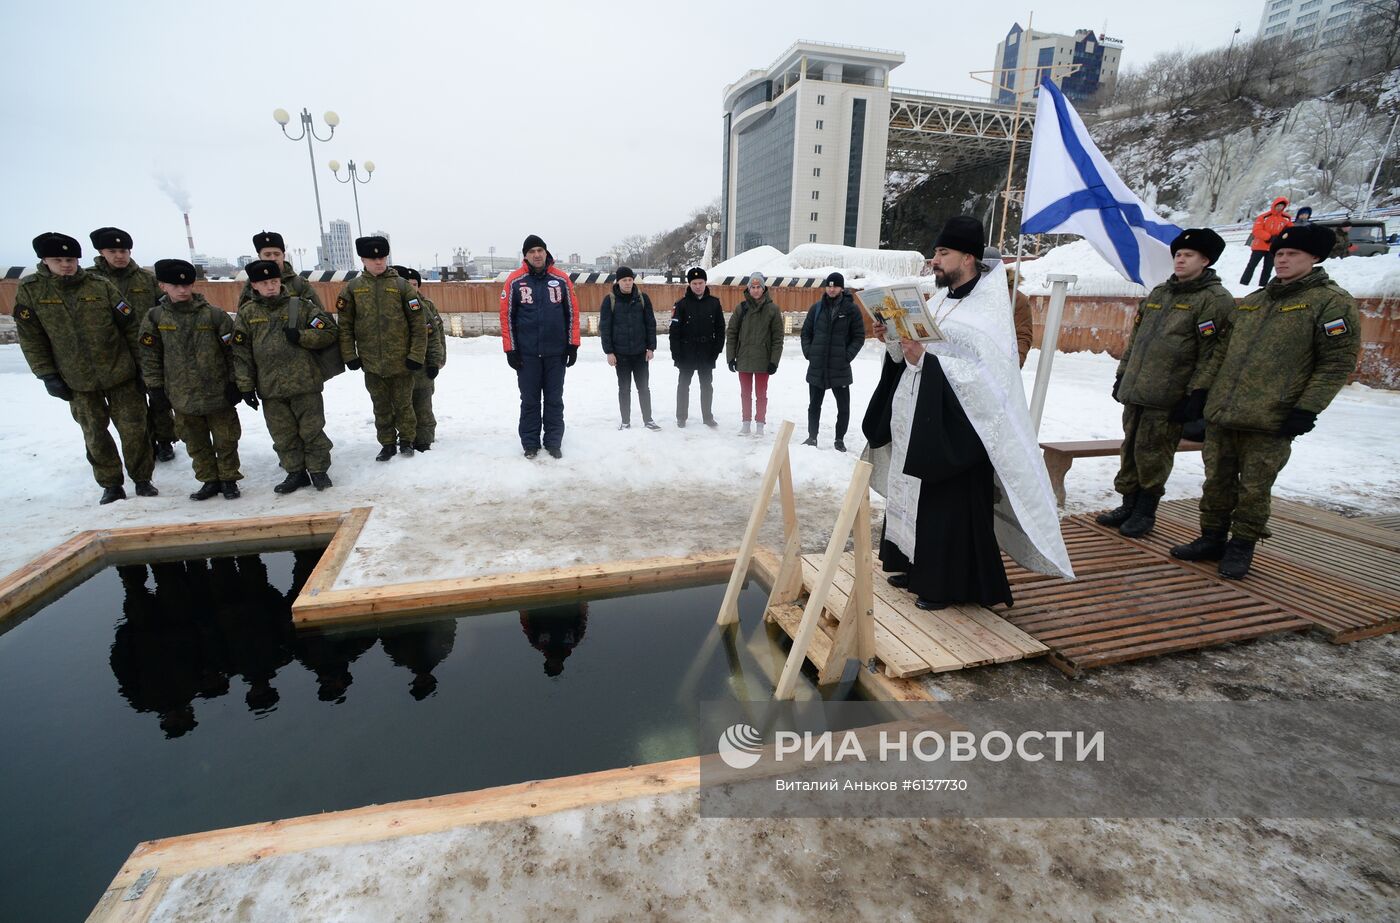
[1390, 521]
[1332, 571]
[910, 641]
[1129, 603]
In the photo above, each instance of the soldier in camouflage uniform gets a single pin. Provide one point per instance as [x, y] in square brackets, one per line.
[436, 358]
[1285, 352]
[185, 345]
[382, 329]
[1159, 376]
[275, 361]
[80, 338]
[138, 288]
[269, 246]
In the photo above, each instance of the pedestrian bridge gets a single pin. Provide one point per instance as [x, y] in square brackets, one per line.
[937, 133]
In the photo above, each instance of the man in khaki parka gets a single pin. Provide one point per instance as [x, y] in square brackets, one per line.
[1159, 381]
[1286, 351]
[435, 359]
[382, 329]
[185, 359]
[753, 344]
[269, 246]
[138, 288]
[80, 338]
[272, 358]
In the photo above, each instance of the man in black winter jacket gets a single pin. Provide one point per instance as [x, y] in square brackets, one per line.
[697, 339]
[832, 336]
[627, 326]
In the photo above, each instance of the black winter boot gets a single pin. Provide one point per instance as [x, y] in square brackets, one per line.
[320, 480]
[406, 449]
[111, 495]
[231, 491]
[386, 452]
[1209, 547]
[1239, 554]
[292, 482]
[1144, 516]
[164, 451]
[206, 490]
[1121, 514]
[146, 489]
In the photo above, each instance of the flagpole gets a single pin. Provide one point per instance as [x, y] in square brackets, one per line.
[1015, 132]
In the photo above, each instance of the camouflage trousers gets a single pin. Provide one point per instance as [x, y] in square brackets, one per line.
[1240, 470]
[125, 406]
[423, 390]
[393, 407]
[1149, 450]
[212, 441]
[297, 425]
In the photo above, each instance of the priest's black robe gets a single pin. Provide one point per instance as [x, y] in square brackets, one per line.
[956, 555]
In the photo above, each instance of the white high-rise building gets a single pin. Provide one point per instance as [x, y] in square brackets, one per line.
[342, 245]
[1319, 21]
[805, 141]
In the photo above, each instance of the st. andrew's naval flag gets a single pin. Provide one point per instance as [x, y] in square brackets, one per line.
[1071, 189]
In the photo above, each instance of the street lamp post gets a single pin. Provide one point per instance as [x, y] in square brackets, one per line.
[301, 258]
[352, 176]
[308, 131]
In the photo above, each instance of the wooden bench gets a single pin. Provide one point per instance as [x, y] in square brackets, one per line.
[1060, 455]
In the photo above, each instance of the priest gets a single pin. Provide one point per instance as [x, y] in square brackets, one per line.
[953, 445]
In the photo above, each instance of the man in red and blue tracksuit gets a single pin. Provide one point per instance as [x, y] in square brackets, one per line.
[539, 331]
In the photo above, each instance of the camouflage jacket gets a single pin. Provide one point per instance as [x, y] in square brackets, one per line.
[138, 286]
[436, 354]
[262, 356]
[185, 349]
[293, 284]
[1174, 334]
[381, 323]
[1289, 344]
[77, 327]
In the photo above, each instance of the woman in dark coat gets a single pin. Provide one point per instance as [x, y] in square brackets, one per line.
[832, 336]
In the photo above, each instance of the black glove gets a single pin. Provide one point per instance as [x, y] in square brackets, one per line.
[159, 401]
[293, 335]
[411, 365]
[251, 399]
[733, 365]
[232, 394]
[1297, 423]
[571, 357]
[432, 371]
[354, 364]
[513, 359]
[57, 387]
[772, 368]
[1191, 407]
[1118, 380]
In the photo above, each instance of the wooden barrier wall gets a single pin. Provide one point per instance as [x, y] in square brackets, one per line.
[1091, 323]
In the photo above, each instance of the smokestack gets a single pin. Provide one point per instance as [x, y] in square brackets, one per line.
[189, 237]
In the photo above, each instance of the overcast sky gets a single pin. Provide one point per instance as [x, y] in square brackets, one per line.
[581, 122]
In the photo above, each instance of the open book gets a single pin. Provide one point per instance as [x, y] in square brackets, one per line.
[903, 311]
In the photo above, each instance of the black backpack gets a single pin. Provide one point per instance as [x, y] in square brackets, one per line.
[328, 358]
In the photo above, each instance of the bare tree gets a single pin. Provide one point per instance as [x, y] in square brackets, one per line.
[634, 249]
[1342, 145]
[1376, 34]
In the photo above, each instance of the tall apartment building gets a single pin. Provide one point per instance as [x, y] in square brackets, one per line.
[1097, 55]
[805, 141]
[1320, 21]
[341, 245]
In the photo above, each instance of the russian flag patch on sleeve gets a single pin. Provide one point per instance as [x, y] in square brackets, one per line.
[317, 323]
[1335, 328]
[1206, 328]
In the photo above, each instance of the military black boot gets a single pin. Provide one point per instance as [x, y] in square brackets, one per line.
[320, 480]
[1239, 554]
[111, 495]
[1120, 514]
[292, 482]
[146, 489]
[230, 490]
[406, 449]
[164, 451]
[422, 446]
[206, 490]
[1144, 516]
[1209, 547]
[386, 452]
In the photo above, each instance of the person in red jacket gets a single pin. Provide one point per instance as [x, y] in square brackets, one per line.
[1266, 227]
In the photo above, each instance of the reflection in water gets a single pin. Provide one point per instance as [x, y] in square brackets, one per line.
[190, 627]
[555, 631]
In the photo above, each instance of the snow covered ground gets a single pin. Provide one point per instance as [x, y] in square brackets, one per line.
[475, 505]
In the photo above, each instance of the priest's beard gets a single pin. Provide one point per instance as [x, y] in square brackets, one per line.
[944, 279]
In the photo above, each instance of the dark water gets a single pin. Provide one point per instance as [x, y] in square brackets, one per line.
[156, 701]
